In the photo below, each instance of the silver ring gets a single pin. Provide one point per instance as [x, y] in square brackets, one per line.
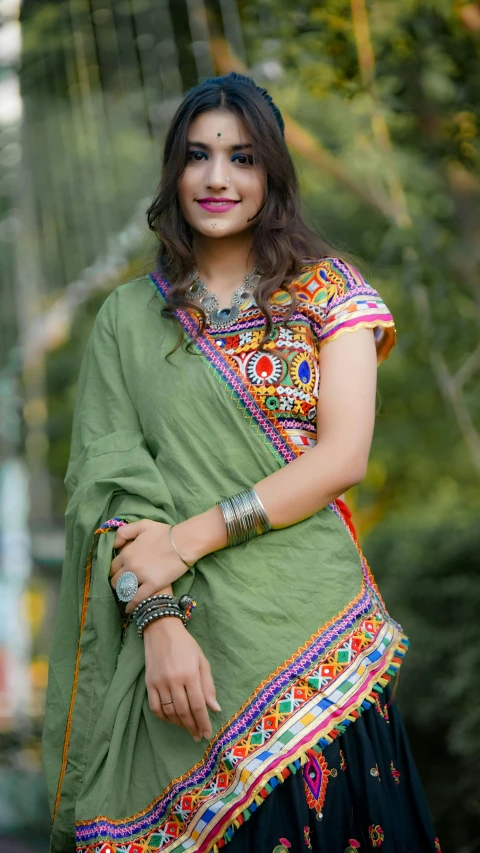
[127, 586]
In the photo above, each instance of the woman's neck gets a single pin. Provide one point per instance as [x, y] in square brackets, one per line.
[224, 262]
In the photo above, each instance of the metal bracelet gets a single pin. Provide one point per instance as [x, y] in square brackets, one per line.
[159, 613]
[261, 513]
[182, 607]
[245, 517]
[244, 508]
[188, 565]
[229, 517]
[156, 612]
[165, 597]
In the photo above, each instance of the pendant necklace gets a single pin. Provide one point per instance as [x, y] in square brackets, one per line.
[221, 318]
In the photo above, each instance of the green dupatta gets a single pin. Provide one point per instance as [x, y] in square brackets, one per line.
[293, 626]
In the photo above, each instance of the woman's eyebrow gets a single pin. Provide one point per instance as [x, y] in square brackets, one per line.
[206, 147]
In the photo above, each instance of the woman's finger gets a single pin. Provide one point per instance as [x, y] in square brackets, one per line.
[183, 712]
[116, 577]
[116, 564]
[127, 532]
[155, 703]
[141, 594]
[171, 714]
[198, 708]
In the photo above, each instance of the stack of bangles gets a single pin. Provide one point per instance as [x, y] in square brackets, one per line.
[245, 518]
[157, 606]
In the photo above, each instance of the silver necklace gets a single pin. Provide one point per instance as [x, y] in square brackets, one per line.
[222, 318]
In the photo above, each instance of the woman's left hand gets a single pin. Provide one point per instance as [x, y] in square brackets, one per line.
[147, 552]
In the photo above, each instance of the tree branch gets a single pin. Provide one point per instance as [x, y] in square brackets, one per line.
[468, 368]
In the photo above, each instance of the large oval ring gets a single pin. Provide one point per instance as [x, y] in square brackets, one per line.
[127, 586]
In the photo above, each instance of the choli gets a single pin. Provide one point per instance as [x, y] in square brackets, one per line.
[332, 298]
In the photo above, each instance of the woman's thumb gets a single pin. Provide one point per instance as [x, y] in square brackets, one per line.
[208, 686]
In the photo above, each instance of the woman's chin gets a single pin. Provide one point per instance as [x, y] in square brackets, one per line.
[216, 228]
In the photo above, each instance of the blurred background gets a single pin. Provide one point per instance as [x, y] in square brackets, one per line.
[380, 99]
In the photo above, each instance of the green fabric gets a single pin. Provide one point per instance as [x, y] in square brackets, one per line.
[165, 440]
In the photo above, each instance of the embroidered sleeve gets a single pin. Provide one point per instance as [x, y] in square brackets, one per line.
[337, 299]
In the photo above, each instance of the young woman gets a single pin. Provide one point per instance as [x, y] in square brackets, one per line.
[214, 432]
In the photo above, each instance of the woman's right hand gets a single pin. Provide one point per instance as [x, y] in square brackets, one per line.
[178, 677]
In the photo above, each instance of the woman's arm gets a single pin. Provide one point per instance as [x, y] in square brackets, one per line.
[345, 423]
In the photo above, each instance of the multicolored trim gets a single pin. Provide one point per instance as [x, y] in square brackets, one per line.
[354, 304]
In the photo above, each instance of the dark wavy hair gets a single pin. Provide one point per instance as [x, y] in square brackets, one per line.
[282, 242]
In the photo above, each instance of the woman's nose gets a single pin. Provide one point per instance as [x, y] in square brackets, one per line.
[217, 173]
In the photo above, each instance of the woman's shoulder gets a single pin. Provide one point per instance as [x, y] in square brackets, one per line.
[336, 298]
[326, 279]
[127, 300]
[140, 289]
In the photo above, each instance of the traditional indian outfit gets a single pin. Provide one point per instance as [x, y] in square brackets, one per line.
[308, 751]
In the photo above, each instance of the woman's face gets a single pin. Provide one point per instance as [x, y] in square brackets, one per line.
[220, 149]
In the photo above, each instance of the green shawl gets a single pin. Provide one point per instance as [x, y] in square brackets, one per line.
[164, 440]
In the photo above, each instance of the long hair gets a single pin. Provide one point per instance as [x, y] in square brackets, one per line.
[282, 242]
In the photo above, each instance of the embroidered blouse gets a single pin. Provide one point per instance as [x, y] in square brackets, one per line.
[333, 298]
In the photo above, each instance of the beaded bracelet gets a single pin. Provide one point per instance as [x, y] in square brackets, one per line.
[162, 604]
[158, 613]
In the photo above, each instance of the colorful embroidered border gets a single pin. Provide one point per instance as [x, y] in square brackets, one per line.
[113, 524]
[355, 312]
[354, 304]
[310, 706]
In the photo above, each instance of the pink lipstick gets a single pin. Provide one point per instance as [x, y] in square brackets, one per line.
[217, 205]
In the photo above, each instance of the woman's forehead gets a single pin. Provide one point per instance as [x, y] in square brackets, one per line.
[221, 126]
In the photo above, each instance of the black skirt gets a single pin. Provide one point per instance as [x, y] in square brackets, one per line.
[360, 793]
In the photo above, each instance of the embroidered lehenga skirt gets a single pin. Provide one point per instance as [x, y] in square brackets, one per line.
[358, 794]
[308, 751]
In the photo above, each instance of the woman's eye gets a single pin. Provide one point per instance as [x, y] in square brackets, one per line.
[243, 159]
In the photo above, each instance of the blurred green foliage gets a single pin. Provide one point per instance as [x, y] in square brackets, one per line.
[389, 90]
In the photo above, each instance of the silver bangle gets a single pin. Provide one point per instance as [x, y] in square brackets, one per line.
[261, 513]
[245, 517]
[178, 552]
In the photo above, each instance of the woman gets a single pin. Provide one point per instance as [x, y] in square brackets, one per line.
[215, 466]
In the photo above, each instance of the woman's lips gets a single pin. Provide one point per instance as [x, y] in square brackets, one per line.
[216, 206]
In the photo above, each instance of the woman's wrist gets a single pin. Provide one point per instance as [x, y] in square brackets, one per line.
[169, 626]
[200, 535]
